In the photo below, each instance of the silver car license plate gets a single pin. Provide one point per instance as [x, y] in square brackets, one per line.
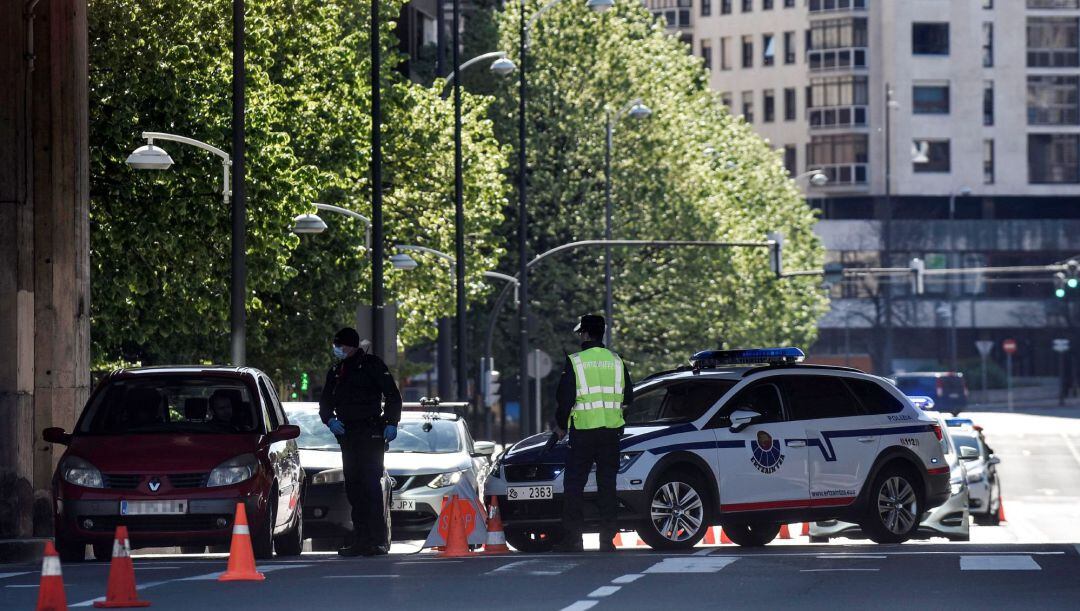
[529, 493]
[402, 505]
[153, 508]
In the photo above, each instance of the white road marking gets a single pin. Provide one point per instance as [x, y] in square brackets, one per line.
[537, 568]
[834, 570]
[206, 577]
[704, 552]
[6, 575]
[692, 564]
[850, 557]
[1072, 448]
[632, 577]
[603, 591]
[998, 563]
[581, 605]
[25, 585]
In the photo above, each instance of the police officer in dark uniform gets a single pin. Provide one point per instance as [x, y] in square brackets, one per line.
[594, 389]
[361, 405]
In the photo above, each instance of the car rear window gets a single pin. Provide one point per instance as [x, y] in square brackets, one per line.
[675, 402]
[874, 398]
[923, 386]
[171, 404]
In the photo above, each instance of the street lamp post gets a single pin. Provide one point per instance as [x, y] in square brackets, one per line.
[886, 240]
[637, 110]
[377, 339]
[150, 157]
[964, 192]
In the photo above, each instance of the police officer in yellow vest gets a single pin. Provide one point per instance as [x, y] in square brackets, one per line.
[593, 390]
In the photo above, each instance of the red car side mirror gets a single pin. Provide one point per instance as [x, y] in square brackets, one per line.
[284, 432]
[55, 434]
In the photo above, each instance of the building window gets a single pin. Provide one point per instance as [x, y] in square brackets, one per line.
[789, 3]
[838, 34]
[930, 38]
[821, 6]
[790, 104]
[725, 58]
[789, 47]
[725, 99]
[1052, 42]
[988, 161]
[747, 51]
[768, 104]
[1053, 100]
[706, 54]
[766, 5]
[1053, 158]
[706, 8]
[768, 44]
[930, 99]
[988, 102]
[1052, 4]
[837, 101]
[725, 7]
[988, 44]
[841, 157]
[747, 6]
[790, 159]
[748, 106]
[938, 158]
[989, 4]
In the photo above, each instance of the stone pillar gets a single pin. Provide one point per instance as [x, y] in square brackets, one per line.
[44, 248]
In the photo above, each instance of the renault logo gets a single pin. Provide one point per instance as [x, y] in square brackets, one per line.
[155, 483]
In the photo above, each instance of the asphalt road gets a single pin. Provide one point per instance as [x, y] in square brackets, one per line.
[1032, 561]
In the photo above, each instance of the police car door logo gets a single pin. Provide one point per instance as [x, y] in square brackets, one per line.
[766, 453]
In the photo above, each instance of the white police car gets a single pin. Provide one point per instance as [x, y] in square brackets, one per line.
[749, 439]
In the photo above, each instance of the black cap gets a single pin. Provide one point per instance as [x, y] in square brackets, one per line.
[347, 337]
[592, 324]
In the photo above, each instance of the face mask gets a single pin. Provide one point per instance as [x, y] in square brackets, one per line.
[339, 352]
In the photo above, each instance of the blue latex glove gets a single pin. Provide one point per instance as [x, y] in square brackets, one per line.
[390, 433]
[336, 427]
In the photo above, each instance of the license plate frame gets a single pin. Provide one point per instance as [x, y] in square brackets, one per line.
[530, 493]
[163, 507]
[402, 505]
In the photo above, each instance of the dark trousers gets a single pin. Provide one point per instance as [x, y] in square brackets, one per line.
[599, 446]
[362, 448]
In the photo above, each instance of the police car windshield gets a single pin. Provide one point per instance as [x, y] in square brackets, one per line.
[314, 435]
[427, 436]
[170, 404]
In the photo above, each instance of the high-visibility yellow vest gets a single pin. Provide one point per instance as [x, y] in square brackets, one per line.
[598, 373]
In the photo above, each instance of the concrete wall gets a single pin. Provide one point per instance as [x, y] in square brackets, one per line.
[44, 249]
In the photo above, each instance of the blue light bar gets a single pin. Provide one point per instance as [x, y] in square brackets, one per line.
[748, 356]
[959, 422]
[924, 403]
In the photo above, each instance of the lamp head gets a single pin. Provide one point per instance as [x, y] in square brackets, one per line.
[403, 261]
[819, 179]
[308, 223]
[640, 111]
[149, 157]
[503, 67]
[600, 6]
[965, 191]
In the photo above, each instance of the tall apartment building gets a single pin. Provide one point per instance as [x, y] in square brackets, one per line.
[979, 162]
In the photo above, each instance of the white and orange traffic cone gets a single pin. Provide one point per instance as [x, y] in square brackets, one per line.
[724, 539]
[457, 539]
[241, 558]
[1001, 511]
[51, 591]
[121, 590]
[496, 539]
[805, 532]
[785, 533]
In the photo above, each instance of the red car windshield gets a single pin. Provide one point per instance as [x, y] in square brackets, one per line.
[171, 404]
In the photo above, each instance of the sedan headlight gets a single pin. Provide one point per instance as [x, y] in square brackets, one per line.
[626, 459]
[80, 472]
[957, 485]
[233, 471]
[443, 480]
[330, 476]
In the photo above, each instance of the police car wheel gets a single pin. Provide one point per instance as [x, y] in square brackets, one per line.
[752, 535]
[678, 517]
[894, 507]
[530, 541]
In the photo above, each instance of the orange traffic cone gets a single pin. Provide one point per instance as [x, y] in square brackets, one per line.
[784, 532]
[457, 541]
[805, 532]
[51, 591]
[1001, 510]
[724, 539]
[241, 558]
[121, 590]
[496, 540]
[617, 540]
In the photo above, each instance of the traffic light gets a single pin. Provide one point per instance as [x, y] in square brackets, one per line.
[776, 251]
[491, 387]
[1060, 282]
[1072, 273]
[303, 382]
[918, 276]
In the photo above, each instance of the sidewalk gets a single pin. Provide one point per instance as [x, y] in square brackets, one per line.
[17, 551]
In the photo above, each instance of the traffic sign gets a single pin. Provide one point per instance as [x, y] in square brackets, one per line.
[1061, 344]
[539, 360]
[1009, 346]
[984, 346]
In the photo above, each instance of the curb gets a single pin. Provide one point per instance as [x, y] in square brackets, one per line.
[21, 550]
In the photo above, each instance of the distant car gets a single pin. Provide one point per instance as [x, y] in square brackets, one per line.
[983, 482]
[947, 389]
[949, 519]
[169, 452]
[432, 453]
[327, 513]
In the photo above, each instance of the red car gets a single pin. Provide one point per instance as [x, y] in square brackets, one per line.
[169, 452]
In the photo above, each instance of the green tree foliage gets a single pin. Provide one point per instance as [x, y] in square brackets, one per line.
[689, 171]
[160, 240]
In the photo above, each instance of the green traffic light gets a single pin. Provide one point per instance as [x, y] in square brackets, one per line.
[1059, 293]
[304, 382]
[295, 396]
[1073, 282]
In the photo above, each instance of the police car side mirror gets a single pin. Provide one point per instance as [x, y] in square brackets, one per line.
[994, 460]
[969, 453]
[742, 418]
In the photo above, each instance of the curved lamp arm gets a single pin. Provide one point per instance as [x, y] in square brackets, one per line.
[479, 58]
[424, 249]
[226, 161]
[349, 213]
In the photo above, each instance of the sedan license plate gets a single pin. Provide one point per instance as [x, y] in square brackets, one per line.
[402, 505]
[153, 508]
[529, 493]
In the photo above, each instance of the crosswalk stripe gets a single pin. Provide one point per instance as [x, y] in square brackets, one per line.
[998, 563]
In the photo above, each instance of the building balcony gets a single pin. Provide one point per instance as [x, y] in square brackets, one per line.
[845, 174]
[835, 6]
[837, 116]
[825, 60]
